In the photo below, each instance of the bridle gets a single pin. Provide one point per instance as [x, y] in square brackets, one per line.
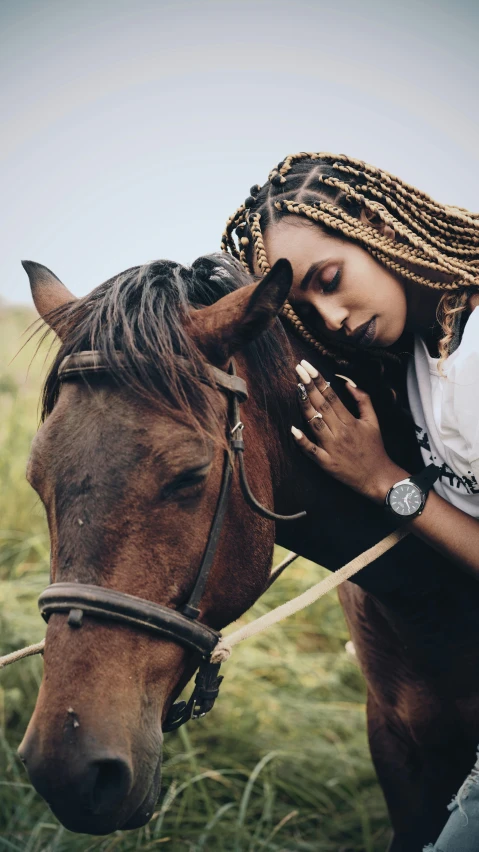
[180, 626]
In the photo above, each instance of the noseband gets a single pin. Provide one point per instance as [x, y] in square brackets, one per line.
[179, 626]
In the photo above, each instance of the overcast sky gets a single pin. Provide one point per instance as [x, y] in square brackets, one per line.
[131, 130]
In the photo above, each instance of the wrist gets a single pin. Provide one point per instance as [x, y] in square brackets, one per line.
[384, 480]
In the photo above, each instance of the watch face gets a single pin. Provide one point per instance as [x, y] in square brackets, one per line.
[405, 499]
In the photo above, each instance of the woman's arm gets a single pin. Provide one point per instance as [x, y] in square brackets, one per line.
[351, 449]
[448, 530]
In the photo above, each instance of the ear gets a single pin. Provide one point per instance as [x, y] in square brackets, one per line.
[236, 319]
[48, 293]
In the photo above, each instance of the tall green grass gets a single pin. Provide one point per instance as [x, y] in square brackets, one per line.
[280, 765]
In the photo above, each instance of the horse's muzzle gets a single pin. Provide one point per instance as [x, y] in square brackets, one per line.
[91, 791]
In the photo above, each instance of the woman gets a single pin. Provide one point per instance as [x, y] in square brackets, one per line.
[374, 258]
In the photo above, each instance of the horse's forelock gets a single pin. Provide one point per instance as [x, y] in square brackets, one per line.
[140, 313]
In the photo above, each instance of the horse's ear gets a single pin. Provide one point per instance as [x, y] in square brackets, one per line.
[236, 319]
[48, 293]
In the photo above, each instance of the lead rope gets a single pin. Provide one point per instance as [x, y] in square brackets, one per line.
[259, 625]
[29, 651]
[225, 646]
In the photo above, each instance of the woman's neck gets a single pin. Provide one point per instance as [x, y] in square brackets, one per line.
[422, 305]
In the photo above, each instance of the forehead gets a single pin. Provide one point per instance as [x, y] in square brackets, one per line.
[302, 243]
[113, 430]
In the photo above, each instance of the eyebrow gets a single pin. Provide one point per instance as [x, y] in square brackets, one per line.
[313, 270]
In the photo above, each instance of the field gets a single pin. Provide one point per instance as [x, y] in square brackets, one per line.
[280, 765]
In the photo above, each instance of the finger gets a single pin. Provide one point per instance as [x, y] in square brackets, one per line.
[312, 416]
[310, 449]
[317, 399]
[327, 392]
[365, 406]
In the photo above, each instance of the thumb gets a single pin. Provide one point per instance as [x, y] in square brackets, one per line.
[365, 406]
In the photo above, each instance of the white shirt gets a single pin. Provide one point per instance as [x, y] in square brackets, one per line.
[445, 409]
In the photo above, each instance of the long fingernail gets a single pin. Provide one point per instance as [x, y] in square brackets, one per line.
[302, 392]
[346, 379]
[312, 371]
[303, 374]
[296, 433]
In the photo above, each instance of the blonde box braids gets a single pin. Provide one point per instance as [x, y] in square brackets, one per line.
[435, 245]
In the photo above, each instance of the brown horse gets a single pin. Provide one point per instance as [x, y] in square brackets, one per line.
[129, 466]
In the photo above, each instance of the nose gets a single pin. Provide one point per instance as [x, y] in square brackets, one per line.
[106, 783]
[333, 316]
[83, 786]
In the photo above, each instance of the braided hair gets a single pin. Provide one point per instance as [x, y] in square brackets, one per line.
[352, 199]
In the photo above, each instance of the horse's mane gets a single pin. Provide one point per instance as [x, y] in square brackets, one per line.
[140, 314]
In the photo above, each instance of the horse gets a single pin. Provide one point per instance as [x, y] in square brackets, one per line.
[129, 463]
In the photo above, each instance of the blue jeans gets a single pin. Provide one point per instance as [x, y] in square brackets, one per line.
[461, 832]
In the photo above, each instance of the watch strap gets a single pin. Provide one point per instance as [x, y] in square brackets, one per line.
[426, 478]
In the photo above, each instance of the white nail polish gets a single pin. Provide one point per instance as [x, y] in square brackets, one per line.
[346, 379]
[303, 375]
[296, 432]
[310, 369]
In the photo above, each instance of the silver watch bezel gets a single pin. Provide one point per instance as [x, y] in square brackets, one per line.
[419, 511]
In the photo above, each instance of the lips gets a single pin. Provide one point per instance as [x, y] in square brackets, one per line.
[365, 334]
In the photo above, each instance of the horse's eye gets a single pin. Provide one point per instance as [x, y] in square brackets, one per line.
[187, 480]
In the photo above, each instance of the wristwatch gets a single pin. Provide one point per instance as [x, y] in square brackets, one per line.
[407, 498]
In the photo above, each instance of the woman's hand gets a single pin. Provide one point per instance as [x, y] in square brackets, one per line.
[349, 448]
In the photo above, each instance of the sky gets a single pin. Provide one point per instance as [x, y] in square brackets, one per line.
[132, 130]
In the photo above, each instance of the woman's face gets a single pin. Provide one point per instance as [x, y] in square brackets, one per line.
[337, 285]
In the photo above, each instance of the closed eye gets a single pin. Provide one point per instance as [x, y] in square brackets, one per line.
[332, 285]
[187, 479]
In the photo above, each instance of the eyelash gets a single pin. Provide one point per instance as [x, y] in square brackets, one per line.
[333, 284]
[190, 481]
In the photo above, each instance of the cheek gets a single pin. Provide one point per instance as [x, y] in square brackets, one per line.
[392, 311]
[394, 300]
[393, 297]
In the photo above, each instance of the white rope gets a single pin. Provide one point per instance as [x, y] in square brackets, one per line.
[225, 646]
[21, 653]
[288, 559]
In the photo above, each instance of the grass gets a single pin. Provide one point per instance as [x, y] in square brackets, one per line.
[280, 765]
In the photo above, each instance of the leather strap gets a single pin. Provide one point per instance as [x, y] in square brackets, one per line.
[87, 361]
[191, 609]
[80, 598]
[91, 361]
[426, 478]
[205, 692]
[230, 382]
[237, 444]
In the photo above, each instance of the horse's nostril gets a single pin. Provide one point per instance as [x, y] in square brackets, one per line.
[111, 784]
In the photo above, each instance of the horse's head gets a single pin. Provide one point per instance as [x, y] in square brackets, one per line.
[128, 463]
